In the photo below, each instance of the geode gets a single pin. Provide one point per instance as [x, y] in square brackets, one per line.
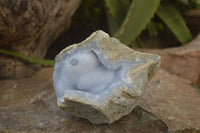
[101, 79]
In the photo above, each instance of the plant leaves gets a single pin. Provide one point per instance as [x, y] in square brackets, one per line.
[116, 11]
[171, 17]
[138, 16]
[112, 24]
[43, 62]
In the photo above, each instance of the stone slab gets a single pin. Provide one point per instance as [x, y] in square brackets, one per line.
[174, 100]
[183, 61]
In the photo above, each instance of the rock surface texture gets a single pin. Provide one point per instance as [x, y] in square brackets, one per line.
[175, 101]
[29, 27]
[183, 61]
[101, 79]
[29, 105]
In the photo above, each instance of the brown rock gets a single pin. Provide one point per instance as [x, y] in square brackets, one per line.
[29, 27]
[16, 91]
[174, 100]
[42, 119]
[183, 61]
[35, 110]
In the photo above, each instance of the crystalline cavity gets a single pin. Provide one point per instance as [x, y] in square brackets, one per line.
[82, 72]
[101, 79]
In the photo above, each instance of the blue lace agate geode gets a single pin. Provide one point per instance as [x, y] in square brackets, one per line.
[101, 79]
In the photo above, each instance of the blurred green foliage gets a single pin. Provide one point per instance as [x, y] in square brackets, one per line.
[43, 62]
[184, 5]
[154, 28]
[172, 18]
[139, 16]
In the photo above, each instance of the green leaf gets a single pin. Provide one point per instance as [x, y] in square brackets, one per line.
[138, 16]
[171, 17]
[43, 62]
[112, 24]
[116, 11]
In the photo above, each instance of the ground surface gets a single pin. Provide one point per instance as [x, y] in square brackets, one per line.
[29, 105]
